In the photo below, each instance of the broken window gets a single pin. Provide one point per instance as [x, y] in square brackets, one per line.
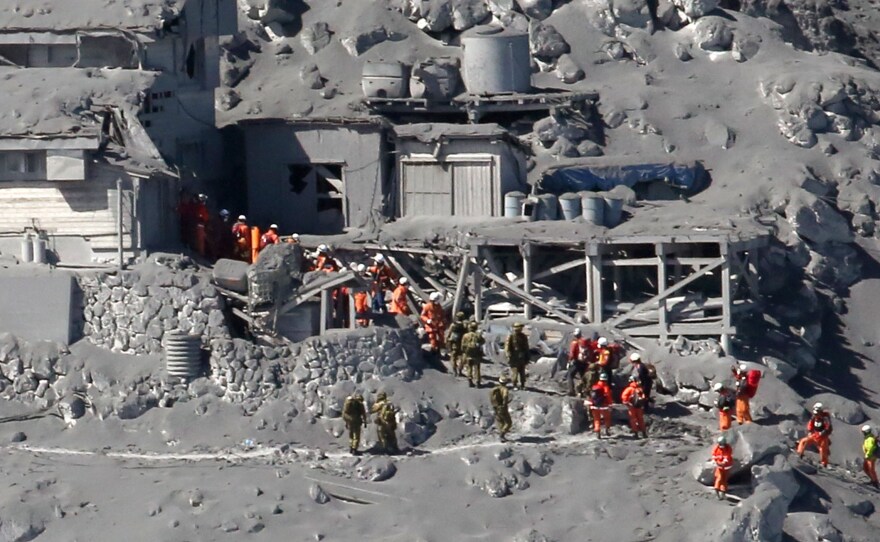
[328, 189]
[194, 63]
[18, 165]
[102, 50]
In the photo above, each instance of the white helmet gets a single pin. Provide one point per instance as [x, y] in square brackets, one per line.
[867, 429]
[743, 367]
[322, 248]
[635, 356]
[361, 268]
[273, 227]
[602, 341]
[577, 332]
[718, 386]
[379, 257]
[721, 440]
[633, 378]
[818, 407]
[242, 218]
[224, 212]
[295, 236]
[402, 280]
[435, 296]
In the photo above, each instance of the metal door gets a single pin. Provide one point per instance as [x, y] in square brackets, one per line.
[427, 189]
[473, 188]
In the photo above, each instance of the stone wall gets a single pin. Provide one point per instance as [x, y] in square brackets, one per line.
[130, 311]
[28, 369]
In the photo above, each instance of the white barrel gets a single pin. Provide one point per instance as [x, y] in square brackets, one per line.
[613, 210]
[548, 207]
[496, 61]
[593, 209]
[27, 249]
[570, 204]
[39, 245]
[183, 355]
[513, 204]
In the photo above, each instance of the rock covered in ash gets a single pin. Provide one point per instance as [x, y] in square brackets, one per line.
[694, 9]
[817, 221]
[317, 494]
[845, 410]
[545, 42]
[315, 37]
[536, 9]
[811, 526]
[712, 34]
[635, 13]
[376, 469]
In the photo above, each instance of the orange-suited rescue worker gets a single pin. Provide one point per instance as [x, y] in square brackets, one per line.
[600, 406]
[202, 217]
[870, 449]
[324, 261]
[819, 434]
[722, 455]
[434, 321]
[743, 408]
[581, 353]
[606, 355]
[398, 298]
[270, 237]
[635, 400]
[645, 374]
[241, 233]
[383, 279]
[361, 302]
[724, 403]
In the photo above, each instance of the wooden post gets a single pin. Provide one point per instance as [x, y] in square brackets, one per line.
[477, 277]
[527, 278]
[617, 276]
[352, 321]
[119, 227]
[726, 301]
[588, 285]
[461, 285]
[661, 285]
[326, 303]
[596, 272]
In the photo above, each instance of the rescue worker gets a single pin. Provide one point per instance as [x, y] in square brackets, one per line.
[361, 303]
[634, 398]
[722, 456]
[818, 433]
[241, 234]
[221, 244]
[500, 399]
[434, 321]
[454, 335]
[354, 414]
[293, 239]
[645, 376]
[383, 279]
[581, 353]
[724, 403]
[270, 237]
[399, 298]
[743, 407]
[606, 355]
[870, 449]
[600, 405]
[386, 424]
[324, 261]
[517, 349]
[472, 351]
[202, 217]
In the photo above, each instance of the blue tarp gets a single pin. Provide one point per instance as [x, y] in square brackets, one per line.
[575, 178]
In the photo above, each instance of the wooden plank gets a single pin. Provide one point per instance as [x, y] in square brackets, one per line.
[663, 314]
[712, 329]
[404, 273]
[596, 264]
[552, 271]
[666, 292]
[326, 303]
[551, 310]
[304, 295]
[652, 261]
[726, 299]
[527, 277]
[477, 277]
[460, 285]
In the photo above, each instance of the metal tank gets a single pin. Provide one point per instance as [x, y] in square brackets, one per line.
[39, 249]
[496, 61]
[613, 210]
[385, 80]
[548, 207]
[593, 207]
[183, 355]
[513, 202]
[570, 204]
[27, 249]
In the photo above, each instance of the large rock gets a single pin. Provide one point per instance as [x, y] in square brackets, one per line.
[776, 398]
[635, 13]
[713, 34]
[376, 469]
[568, 70]
[845, 410]
[315, 37]
[753, 443]
[816, 221]
[545, 42]
[760, 517]
[810, 527]
[780, 474]
[468, 13]
[537, 9]
[782, 370]
[835, 265]
[694, 9]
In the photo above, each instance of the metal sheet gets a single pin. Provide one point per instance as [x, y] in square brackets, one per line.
[427, 189]
[474, 188]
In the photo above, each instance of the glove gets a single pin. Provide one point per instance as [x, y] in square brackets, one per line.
[428, 322]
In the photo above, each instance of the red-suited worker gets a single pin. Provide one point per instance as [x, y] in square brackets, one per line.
[241, 233]
[600, 406]
[399, 297]
[635, 400]
[743, 398]
[361, 302]
[434, 321]
[202, 217]
[722, 456]
[818, 434]
[870, 448]
[606, 355]
[270, 237]
[724, 403]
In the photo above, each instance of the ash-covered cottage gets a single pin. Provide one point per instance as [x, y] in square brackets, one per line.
[104, 91]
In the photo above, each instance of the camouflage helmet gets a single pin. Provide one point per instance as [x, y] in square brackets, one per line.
[460, 316]
[473, 326]
[382, 396]
[518, 325]
[503, 379]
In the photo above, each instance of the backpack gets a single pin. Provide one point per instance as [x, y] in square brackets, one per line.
[637, 400]
[597, 397]
[652, 371]
[497, 398]
[753, 378]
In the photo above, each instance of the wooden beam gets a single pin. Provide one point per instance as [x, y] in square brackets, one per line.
[527, 278]
[663, 314]
[477, 277]
[352, 321]
[726, 299]
[596, 268]
[708, 328]
[552, 271]
[551, 310]
[461, 285]
[652, 261]
[667, 291]
[309, 292]
[403, 273]
[588, 287]
[326, 303]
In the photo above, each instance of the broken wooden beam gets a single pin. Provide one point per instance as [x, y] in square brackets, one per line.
[549, 309]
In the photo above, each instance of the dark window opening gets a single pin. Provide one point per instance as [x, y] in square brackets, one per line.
[191, 62]
[298, 178]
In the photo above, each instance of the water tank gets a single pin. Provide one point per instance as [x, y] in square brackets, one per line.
[434, 79]
[39, 249]
[570, 203]
[27, 249]
[613, 210]
[548, 207]
[593, 206]
[513, 204]
[183, 355]
[385, 80]
[496, 61]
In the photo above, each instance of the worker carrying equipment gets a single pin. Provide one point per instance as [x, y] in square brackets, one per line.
[399, 303]
[472, 350]
[354, 414]
[500, 399]
[746, 388]
[581, 354]
[600, 406]
[635, 400]
[270, 237]
[818, 434]
[722, 456]
[241, 235]
[646, 374]
[725, 404]
[434, 321]
[454, 335]
[386, 424]
[869, 447]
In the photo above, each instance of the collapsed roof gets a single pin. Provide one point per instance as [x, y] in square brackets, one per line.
[52, 15]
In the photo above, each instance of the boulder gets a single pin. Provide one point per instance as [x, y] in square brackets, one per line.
[712, 34]
[760, 517]
[810, 527]
[311, 77]
[782, 370]
[719, 135]
[635, 13]
[317, 494]
[841, 408]
[568, 70]
[753, 443]
[694, 9]
[536, 9]
[362, 41]
[858, 504]
[545, 42]
[835, 265]
[780, 474]
[436, 15]
[376, 469]
[816, 221]
[315, 37]
[468, 13]
[776, 398]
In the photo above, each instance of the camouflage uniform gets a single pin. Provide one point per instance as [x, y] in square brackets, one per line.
[386, 424]
[453, 343]
[517, 349]
[500, 399]
[354, 414]
[472, 351]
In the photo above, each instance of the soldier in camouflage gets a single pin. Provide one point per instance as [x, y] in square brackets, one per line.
[454, 335]
[354, 414]
[500, 399]
[472, 351]
[517, 349]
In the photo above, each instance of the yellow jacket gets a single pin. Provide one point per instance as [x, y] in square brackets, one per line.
[870, 447]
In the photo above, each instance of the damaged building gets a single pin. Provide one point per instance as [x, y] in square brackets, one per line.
[113, 104]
